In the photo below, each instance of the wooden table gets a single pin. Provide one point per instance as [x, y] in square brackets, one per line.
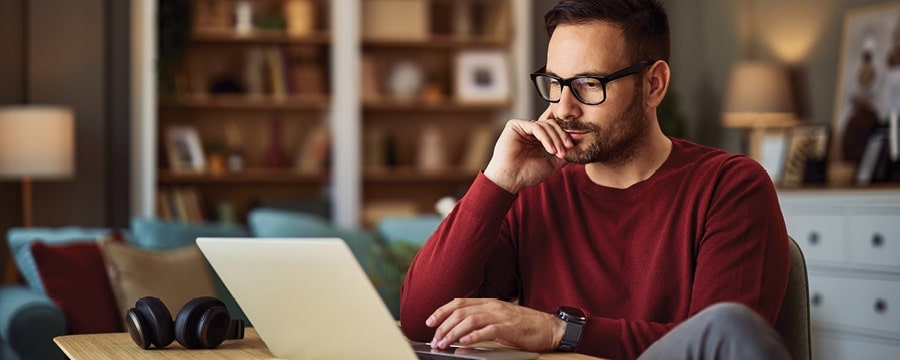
[120, 346]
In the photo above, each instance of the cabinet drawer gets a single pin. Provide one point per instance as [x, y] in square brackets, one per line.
[874, 239]
[820, 236]
[859, 303]
[837, 346]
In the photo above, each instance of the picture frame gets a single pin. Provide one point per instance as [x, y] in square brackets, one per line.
[772, 147]
[869, 77]
[482, 76]
[184, 149]
[806, 155]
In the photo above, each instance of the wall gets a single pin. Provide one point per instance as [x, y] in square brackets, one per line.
[72, 53]
[709, 35]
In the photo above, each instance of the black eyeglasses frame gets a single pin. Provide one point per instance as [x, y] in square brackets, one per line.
[630, 70]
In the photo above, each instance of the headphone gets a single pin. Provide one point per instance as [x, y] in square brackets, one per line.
[202, 323]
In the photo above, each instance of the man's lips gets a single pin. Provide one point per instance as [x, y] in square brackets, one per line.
[576, 134]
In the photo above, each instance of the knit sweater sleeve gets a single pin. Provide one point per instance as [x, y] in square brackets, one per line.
[465, 257]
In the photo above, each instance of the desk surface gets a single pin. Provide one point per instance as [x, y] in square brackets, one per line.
[119, 346]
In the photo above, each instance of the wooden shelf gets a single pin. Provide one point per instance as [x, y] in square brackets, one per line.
[260, 37]
[244, 102]
[415, 174]
[437, 42]
[444, 106]
[253, 176]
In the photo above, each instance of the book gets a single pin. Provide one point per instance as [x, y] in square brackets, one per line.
[277, 74]
[316, 150]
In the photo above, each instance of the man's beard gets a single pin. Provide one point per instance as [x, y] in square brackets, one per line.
[615, 144]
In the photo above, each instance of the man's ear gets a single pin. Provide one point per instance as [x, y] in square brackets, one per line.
[658, 81]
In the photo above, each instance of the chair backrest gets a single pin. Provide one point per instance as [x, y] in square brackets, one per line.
[793, 320]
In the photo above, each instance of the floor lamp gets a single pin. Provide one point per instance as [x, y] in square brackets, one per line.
[36, 143]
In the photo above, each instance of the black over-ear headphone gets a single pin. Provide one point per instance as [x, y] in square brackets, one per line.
[202, 323]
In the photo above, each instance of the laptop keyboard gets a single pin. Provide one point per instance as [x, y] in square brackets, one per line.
[436, 356]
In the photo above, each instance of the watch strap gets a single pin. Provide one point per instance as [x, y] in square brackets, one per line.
[575, 320]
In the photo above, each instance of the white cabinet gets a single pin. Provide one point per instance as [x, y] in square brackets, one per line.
[851, 240]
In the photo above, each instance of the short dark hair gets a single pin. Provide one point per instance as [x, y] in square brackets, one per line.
[644, 23]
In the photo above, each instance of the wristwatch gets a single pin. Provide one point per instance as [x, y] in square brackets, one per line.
[575, 320]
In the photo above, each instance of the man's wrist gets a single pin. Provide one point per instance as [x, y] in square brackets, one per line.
[497, 180]
[558, 331]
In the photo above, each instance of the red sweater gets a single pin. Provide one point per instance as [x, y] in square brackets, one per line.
[705, 228]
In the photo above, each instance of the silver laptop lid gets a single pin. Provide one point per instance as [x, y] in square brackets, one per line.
[307, 298]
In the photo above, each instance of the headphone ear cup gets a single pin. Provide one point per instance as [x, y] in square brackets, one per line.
[150, 322]
[194, 320]
[138, 328]
[213, 327]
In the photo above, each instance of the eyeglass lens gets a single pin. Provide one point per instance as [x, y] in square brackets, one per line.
[586, 89]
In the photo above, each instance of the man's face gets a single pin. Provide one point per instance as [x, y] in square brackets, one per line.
[609, 132]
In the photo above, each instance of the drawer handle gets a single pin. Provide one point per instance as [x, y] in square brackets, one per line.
[877, 240]
[813, 238]
[816, 299]
[880, 306]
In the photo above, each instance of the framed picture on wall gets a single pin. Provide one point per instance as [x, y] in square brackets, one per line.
[482, 76]
[185, 153]
[869, 78]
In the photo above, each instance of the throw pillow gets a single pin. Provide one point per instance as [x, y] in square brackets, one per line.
[20, 240]
[174, 276]
[74, 276]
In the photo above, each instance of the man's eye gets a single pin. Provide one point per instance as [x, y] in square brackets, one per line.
[589, 84]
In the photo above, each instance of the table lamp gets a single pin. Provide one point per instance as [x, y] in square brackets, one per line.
[36, 143]
[758, 97]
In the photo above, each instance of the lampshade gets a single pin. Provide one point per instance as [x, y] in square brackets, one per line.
[36, 142]
[758, 95]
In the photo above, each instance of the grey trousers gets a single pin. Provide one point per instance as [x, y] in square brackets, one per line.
[721, 331]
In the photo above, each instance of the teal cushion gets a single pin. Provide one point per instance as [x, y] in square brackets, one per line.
[414, 230]
[155, 234]
[20, 240]
[270, 222]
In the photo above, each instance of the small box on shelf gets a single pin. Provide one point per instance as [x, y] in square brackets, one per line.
[395, 19]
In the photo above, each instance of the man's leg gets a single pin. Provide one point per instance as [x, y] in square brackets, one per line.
[721, 331]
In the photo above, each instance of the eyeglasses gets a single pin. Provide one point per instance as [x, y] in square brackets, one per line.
[588, 89]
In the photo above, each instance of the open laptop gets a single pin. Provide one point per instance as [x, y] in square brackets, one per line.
[308, 298]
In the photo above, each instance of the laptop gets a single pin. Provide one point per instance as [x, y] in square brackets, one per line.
[309, 298]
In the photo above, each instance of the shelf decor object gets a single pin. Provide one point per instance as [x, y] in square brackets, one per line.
[482, 76]
[184, 149]
[395, 19]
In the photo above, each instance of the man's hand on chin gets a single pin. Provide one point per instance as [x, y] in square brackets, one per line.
[473, 320]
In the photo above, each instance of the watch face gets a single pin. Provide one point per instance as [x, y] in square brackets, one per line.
[569, 313]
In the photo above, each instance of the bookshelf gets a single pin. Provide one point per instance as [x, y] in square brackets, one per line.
[254, 87]
[416, 114]
[376, 159]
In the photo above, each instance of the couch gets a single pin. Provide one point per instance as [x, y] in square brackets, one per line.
[81, 280]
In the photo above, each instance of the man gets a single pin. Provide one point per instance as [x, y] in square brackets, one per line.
[608, 233]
